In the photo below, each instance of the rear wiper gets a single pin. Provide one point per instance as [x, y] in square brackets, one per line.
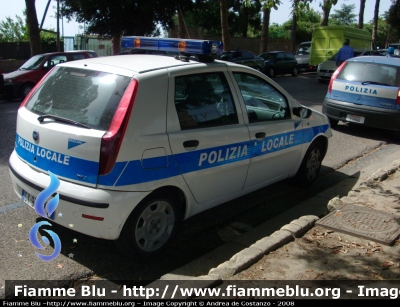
[62, 119]
[374, 82]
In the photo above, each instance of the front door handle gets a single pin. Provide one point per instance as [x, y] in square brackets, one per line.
[191, 144]
[260, 135]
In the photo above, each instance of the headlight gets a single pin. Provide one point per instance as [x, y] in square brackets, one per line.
[11, 80]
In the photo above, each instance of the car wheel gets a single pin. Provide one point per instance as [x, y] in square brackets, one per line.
[333, 122]
[150, 227]
[310, 166]
[25, 89]
[295, 72]
[271, 72]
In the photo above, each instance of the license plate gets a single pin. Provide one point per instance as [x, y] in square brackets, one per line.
[355, 119]
[28, 199]
[327, 74]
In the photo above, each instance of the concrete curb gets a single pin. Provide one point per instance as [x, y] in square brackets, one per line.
[287, 233]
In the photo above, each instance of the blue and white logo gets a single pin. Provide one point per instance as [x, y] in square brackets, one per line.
[46, 212]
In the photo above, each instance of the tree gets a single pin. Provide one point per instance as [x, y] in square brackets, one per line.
[393, 17]
[13, 31]
[123, 17]
[361, 14]
[297, 7]
[326, 6]
[267, 6]
[344, 16]
[33, 28]
[375, 25]
[226, 40]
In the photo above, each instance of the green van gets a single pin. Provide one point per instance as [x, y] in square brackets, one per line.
[327, 40]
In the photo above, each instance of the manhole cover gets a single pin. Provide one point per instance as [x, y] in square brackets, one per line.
[363, 222]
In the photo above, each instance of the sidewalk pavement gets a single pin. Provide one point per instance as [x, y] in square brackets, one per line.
[304, 250]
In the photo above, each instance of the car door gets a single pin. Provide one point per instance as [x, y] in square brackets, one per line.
[276, 138]
[280, 62]
[209, 139]
[248, 59]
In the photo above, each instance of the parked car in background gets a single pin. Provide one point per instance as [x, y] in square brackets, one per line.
[279, 62]
[365, 91]
[302, 56]
[327, 68]
[374, 52]
[242, 57]
[18, 84]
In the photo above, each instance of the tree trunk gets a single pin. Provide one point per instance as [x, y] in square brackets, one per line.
[361, 14]
[375, 25]
[116, 44]
[265, 30]
[293, 34]
[33, 28]
[388, 37]
[224, 25]
[325, 14]
[181, 25]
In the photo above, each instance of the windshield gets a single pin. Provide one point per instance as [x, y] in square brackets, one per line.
[304, 49]
[370, 73]
[225, 56]
[33, 63]
[85, 96]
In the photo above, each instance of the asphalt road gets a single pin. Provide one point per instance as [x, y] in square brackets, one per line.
[200, 234]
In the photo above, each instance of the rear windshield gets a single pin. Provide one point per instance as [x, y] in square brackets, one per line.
[86, 96]
[370, 72]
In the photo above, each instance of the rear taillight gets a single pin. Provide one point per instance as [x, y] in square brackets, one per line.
[334, 75]
[398, 96]
[112, 139]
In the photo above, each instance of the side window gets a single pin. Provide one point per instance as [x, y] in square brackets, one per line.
[263, 102]
[247, 55]
[204, 100]
[54, 60]
[280, 57]
[76, 56]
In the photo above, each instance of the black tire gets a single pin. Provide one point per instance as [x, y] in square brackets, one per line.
[310, 166]
[271, 72]
[333, 122]
[295, 72]
[25, 89]
[150, 227]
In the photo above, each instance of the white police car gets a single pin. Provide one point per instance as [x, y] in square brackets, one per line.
[365, 90]
[141, 142]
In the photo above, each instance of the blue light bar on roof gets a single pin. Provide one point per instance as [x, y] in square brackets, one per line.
[192, 46]
[140, 42]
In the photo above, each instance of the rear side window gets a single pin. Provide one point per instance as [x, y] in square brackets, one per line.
[86, 96]
[370, 73]
[204, 100]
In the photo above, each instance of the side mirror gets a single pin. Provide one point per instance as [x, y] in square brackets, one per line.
[302, 112]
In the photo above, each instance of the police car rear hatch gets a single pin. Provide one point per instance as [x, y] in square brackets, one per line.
[62, 123]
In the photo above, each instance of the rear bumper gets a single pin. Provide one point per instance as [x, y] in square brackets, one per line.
[374, 117]
[77, 201]
[306, 67]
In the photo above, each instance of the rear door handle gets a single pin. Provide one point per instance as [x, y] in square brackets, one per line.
[190, 144]
[260, 135]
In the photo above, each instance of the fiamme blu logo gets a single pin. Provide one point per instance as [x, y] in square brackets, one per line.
[46, 210]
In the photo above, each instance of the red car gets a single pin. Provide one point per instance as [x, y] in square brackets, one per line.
[18, 84]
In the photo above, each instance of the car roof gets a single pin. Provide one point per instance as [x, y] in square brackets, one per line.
[376, 59]
[70, 51]
[128, 64]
